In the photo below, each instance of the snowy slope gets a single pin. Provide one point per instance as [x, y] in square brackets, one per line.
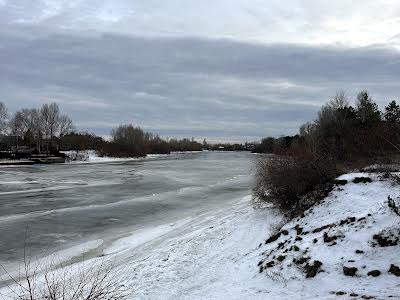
[342, 232]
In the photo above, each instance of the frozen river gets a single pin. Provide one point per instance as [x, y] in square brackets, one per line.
[48, 208]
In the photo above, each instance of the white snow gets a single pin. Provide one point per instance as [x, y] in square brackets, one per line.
[362, 200]
[215, 255]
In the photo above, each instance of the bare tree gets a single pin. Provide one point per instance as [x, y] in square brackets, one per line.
[50, 116]
[17, 125]
[65, 125]
[3, 118]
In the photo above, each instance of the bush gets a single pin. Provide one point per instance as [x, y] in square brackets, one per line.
[98, 282]
[293, 184]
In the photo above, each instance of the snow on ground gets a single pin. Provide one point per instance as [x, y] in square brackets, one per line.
[90, 156]
[351, 228]
[215, 255]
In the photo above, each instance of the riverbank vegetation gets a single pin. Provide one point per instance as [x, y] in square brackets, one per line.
[46, 131]
[342, 137]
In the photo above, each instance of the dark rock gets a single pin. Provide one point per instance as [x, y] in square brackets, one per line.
[353, 295]
[261, 269]
[295, 248]
[260, 263]
[281, 258]
[273, 238]
[374, 273]
[281, 245]
[351, 261]
[347, 221]
[298, 238]
[312, 270]
[285, 232]
[395, 270]
[319, 229]
[270, 264]
[384, 241]
[315, 241]
[340, 293]
[328, 239]
[299, 230]
[349, 271]
[359, 251]
[301, 260]
[362, 180]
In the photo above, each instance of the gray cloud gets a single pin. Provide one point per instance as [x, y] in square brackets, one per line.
[186, 86]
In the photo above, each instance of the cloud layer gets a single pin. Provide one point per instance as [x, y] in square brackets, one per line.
[165, 67]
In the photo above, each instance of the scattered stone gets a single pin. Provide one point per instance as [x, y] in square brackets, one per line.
[281, 258]
[395, 270]
[351, 261]
[328, 239]
[298, 238]
[359, 251]
[281, 245]
[362, 180]
[367, 297]
[385, 241]
[295, 248]
[347, 221]
[260, 263]
[301, 260]
[299, 230]
[312, 270]
[340, 293]
[273, 238]
[353, 295]
[374, 273]
[270, 264]
[319, 229]
[349, 271]
[315, 241]
[285, 232]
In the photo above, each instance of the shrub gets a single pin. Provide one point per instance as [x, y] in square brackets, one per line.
[98, 282]
[293, 184]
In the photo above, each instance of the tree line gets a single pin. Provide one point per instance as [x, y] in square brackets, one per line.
[343, 137]
[40, 128]
[47, 130]
[343, 132]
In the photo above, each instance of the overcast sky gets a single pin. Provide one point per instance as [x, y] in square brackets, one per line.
[231, 70]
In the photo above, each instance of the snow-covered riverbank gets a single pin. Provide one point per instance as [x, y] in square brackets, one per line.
[214, 255]
[208, 256]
